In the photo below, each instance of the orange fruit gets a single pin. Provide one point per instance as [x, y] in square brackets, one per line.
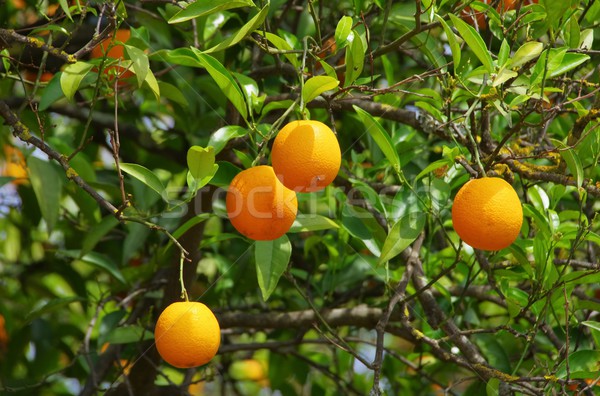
[259, 206]
[487, 213]
[187, 334]
[110, 49]
[475, 18]
[3, 335]
[306, 155]
[15, 165]
[248, 370]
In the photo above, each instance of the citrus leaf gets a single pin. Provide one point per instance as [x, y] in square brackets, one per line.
[569, 62]
[452, 42]
[342, 31]
[200, 161]
[51, 93]
[525, 53]
[190, 223]
[305, 223]
[572, 160]
[402, 234]
[140, 63]
[474, 41]
[591, 324]
[223, 135]
[173, 93]
[433, 166]
[47, 186]
[315, 86]
[582, 364]
[380, 135]
[355, 59]
[50, 306]
[224, 80]
[244, 31]
[95, 233]
[72, 76]
[282, 45]
[98, 260]
[128, 335]
[272, 258]
[144, 175]
[202, 7]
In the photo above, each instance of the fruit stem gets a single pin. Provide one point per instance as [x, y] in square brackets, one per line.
[184, 294]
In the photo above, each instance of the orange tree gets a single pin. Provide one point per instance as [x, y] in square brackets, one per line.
[119, 207]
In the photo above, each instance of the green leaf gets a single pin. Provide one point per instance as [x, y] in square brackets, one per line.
[244, 31]
[51, 93]
[492, 387]
[47, 186]
[153, 84]
[272, 258]
[140, 62]
[342, 31]
[281, 45]
[504, 53]
[173, 93]
[582, 364]
[525, 53]
[50, 306]
[591, 324]
[95, 233]
[569, 62]
[315, 86]
[402, 234]
[224, 80]
[474, 41]
[433, 166]
[72, 76]
[144, 175]
[572, 159]
[574, 32]
[128, 335]
[452, 42]
[202, 7]
[103, 262]
[200, 161]
[355, 59]
[223, 135]
[312, 222]
[179, 56]
[380, 135]
[190, 223]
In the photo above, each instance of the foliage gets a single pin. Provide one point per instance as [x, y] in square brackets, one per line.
[123, 209]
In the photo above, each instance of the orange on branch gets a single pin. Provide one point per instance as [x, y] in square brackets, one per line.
[15, 165]
[487, 213]
[259, 206]
[111, 49]
[187, 334]
[306, 155]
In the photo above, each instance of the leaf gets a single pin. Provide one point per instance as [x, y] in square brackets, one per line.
[315, 86]
[402, 234]
[574, 32]
[244, 31]
[433, 166]
[312, 222]
[202, 7]
[452, 42]
[153, 84]
[72, 76]
[342, 31]
[569, 62]
[591, 324]
[525, 53]
[355, 59]
[95, 233]
[224, 80]
[140, 63]
[50, 306]
[98, 260]
[582, 364]
[47, 186]
[179, 56]
[492, 387]
[272, 258]
[144, 175]
[504, 53]
[281, 45]
[190, 223]
[572, 159]
[51, 93]
[223, 135]
[474, 41]
[128, 335]
[200, 161]
[380, 135]
[173, 93]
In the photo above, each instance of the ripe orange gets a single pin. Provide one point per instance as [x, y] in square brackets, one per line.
[306, 156]
[248, 370]
[187, 334]
[487, 213]
[3, 335]
[109, 49]
[15, 165]
[259, 206]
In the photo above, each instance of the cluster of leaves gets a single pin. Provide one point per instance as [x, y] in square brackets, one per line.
[124, 206]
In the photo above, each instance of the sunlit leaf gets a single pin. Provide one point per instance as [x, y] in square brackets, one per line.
[272, 258]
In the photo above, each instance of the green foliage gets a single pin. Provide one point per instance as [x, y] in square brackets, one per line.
[113, 195]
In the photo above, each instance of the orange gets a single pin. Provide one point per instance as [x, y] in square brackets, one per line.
[187, 334]
[487, 213]
[110, 49]
[3, 335]
[248, 369]
[15, 165]
[306, 156]
[259, 206]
